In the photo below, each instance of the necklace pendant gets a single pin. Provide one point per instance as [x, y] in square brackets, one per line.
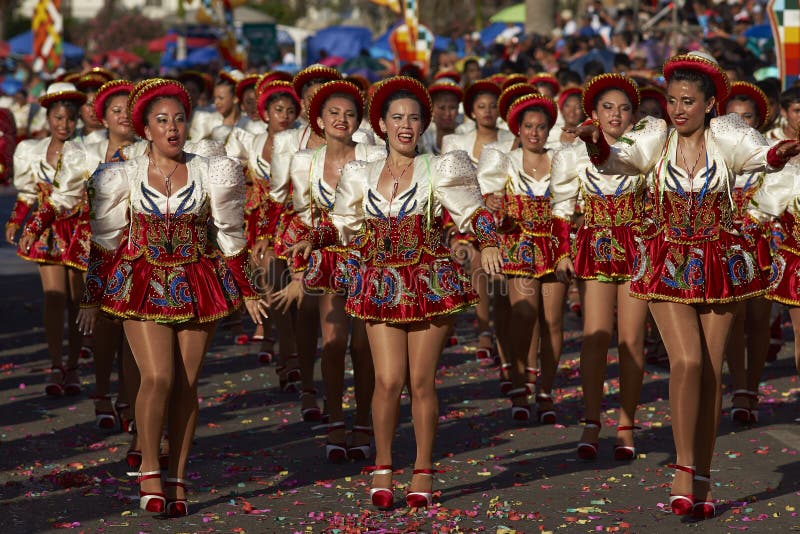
[387, 244]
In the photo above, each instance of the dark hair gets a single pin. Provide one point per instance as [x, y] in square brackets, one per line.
[69, 105]
[771, 87]
[622, 60]
[399, 95]
[150, 105]
[707, 86]
[593, 68]
[346, 96]
[534, 109]
[745, 98]
[470, 61]
[568, 76]
[604, 92]
[107, 101]
[226, 82]
[439, 94]
[789, 97]
[274, 97]
[309, 83]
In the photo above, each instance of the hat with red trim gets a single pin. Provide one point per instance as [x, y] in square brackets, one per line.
[472, 92]
[526, 102]
[106, 91]
[704, 64]
[146, 91]
[603, 82]
[327, 90]
[60, 91]
[270, 89]
[386, 88]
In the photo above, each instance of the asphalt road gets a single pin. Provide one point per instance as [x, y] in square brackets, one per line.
[256, 467]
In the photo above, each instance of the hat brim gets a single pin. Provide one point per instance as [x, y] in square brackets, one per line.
[109, 89]
[273, 88]
[315, 72]
[753, 93]
[327, 90]
[526, 102]
[481, 86]
[152, 89]
[274, 76]
[72, 96]
[566, 93]
[511, 93]
[549, 80]
[248, 82]
[451, 88]
[703, 66]
[384, 89]
[513, 79]
[604, 82]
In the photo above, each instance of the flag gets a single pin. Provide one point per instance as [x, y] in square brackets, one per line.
[231, 44]
[47, 25]
[394, 5]
[784, 17]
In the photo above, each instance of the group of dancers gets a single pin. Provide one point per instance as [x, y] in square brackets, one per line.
[367, 214]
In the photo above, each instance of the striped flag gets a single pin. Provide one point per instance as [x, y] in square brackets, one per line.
[784, 16]
[47, 25]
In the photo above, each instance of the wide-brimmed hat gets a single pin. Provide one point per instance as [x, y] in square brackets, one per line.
[325, 91]
[704, 64]
[60, 91]
[248, 82]
[451, 75]
[753, 93]
[513, 79]
[480, 86]
[106, 91]
[273, 76]
[510, 94]
[526, 102]
[272, 88]
[385, 88]
[147, 90]
[93, 79]
[313, 72]
[446, 86]
[546, 77]
[568, 92]
[603, 82]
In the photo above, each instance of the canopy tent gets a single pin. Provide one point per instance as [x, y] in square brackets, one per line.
[515, 13]
[198, 56]
[22, 45]
[160, 44]
[493, 30]
[344, 41]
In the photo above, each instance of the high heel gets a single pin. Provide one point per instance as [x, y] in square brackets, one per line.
[335, 452]
[533, 374]
[72, 388]
[419, 499]
[623, 452]
[134, 459]
[505, 382]
[359, 453]
[291, 375]
[681, 504]
[382, 498]
[520, 413]
[704, 509]
[125, 424]
[588, 451]
[266, 356]
[86, 353]
[452, 341]
[104, 419]
[545, 417]
[744, 416]
[311, 414]
[176, 507]
[485, 353]
[56, 389]
[151, 502]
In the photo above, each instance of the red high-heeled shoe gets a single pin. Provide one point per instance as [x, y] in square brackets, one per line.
[622, 452]
[86, 353]
[311, 414]
[104, 419]
[744, 416]
[359, 453]
[150, 501]
[134, 459]
[703, 509]
[382, 498]
[72, 388]
[267, 356]
[532, 373]
[505, 381]
[56, 389]
[545, 417]
[335, 452]
[588, 451]
[419, 499]
[520, 413]
[176, 507]
[125, 424]
[485, 353]
[681, 504]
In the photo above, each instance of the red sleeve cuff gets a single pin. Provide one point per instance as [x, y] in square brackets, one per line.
[598, 152]
[239, 265]
[774, 160]
[484, 228]
[100, 260]
[19, 212]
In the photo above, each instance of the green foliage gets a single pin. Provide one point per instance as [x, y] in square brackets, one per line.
[280, 11]
[115, 27]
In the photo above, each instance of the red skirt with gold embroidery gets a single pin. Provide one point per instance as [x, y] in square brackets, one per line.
[718, 270]
[255, 195]
[609, 254]
[64, 242]
[406, 275]
[532, 256]
[285, 233]
[203, 290]
[784, 276]
[327, 271]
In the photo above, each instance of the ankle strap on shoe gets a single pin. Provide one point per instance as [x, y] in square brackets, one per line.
[745, 393]
[519, 392]
[176, 482]
[506, 365]
[533, 371]
[590, 423]
[146, 475]
[685, 468]
[429, 472]
[628, 427]
[377, 470]
[362, 429]
[544, 397]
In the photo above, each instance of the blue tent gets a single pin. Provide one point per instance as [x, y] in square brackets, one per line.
[490, 32]
[342, 41]
[197, 56]
[22, 45]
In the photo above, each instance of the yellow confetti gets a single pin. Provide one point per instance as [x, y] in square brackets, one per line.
[484, 473]
[246, 421]
[789, 508]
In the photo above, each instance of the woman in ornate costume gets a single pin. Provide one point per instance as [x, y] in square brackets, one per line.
[404, 284]
[446, 96]
[335, 113]
[78, 161]
[753, 319]
[278, 107]
[62, 256]
[162, 273]
[522, 177]
[89, 82]
[604, 258]
[698, 265]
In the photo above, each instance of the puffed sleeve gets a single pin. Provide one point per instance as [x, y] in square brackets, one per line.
[743, 148]
[565, 182]
[775, 194]
[224, 182]
[492, 170]
[239, 144]
[24, 183]
[456, 187]
[635, 152]
[108, 191]
[205, 147]
[449, 143]
[348, 208]
[280, 181]
[201, 125]
[69, 184]
[300, 173]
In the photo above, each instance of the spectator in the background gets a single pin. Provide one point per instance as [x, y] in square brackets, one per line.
[8, 141]
[771, 88]
[472, 71]
[21, 109]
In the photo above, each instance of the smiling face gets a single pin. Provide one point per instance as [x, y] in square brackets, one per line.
[403, 125]
[339, 118]
[224, 99]
[614, 111]
[165, 126]
[62, 120]
[572, 111]
[249, 103]
[534, 128]
[445, 111]
[87, 113]
[484, 110]
[687, 106]
[116, 117]
[281, 113]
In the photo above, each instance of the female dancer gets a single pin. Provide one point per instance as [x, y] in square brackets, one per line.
[60, 254]
[753, 318]
[445, 96]
[169, 281]
[93, 130]
[79, 160]
[405, 285]
[480, 105]
[604, 256]
[335, 113]
[522, 176]
[697, 266]
[278, 107]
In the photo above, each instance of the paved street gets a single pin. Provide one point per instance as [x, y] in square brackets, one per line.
[256, 467]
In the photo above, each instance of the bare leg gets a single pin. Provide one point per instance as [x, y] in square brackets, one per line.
[523, 294]
[794, 313]
[735, 356]
[277, 277]
[758, 334]
[335, 326]
[106, 341]
[363, 377]
[481, 284]
[631, 318]
[54, 286]
[307, 330]
[552, 324]
[502, 322]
